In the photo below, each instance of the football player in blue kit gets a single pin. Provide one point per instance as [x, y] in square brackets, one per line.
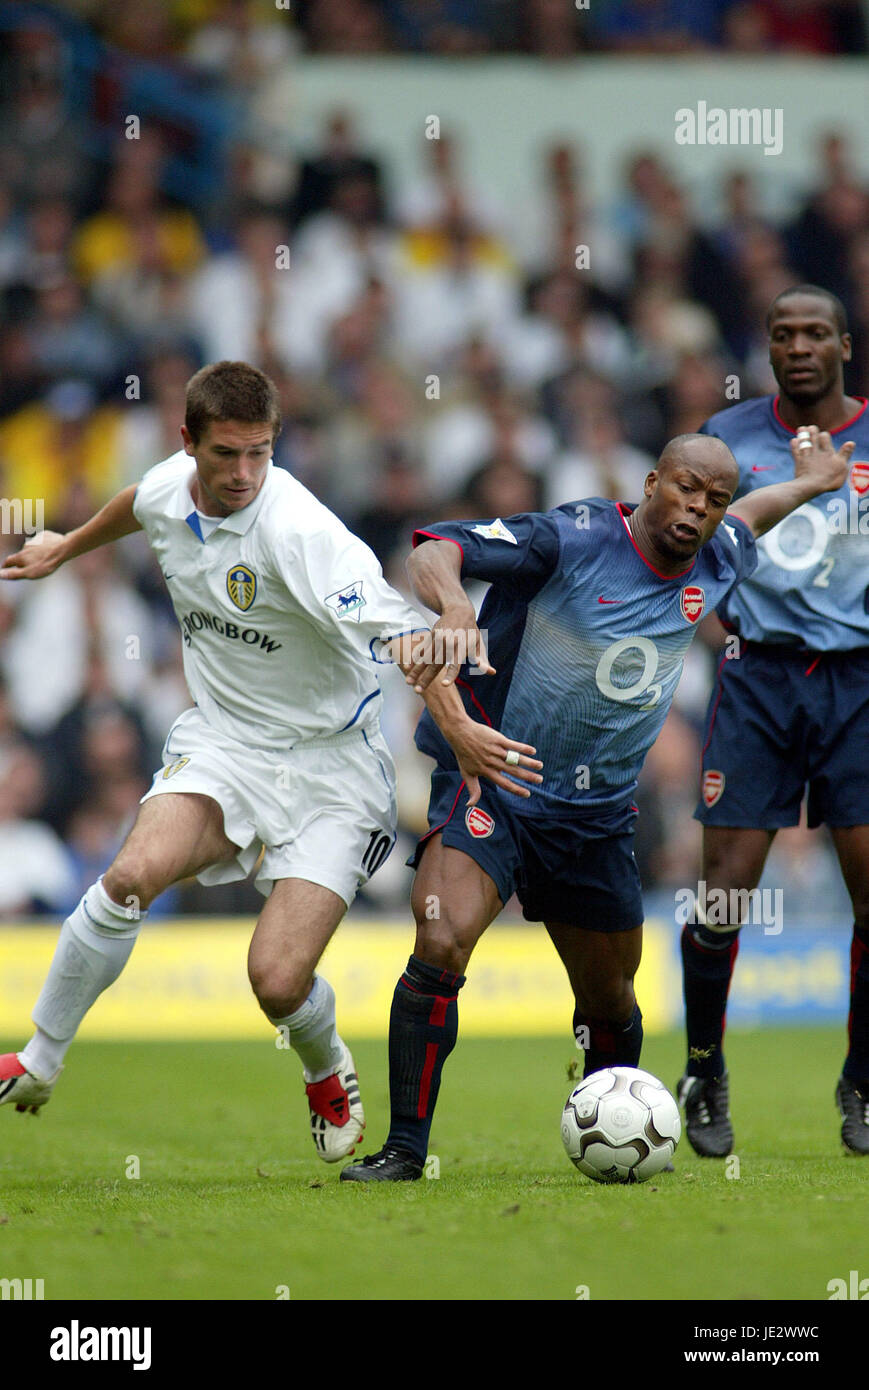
[792, 713]
[591, 609]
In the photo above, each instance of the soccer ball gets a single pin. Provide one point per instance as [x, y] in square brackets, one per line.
[620, 1125]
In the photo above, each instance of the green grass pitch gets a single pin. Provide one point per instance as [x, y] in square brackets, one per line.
[232, 1203]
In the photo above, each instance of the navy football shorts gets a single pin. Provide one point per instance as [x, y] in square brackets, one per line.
[781, 720]
[579, 873]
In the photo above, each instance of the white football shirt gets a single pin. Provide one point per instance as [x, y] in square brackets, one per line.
[282, 609]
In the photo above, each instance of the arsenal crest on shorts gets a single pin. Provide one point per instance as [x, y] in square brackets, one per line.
[713, 787]
[479, 822]
[860, 476]
[692, 601]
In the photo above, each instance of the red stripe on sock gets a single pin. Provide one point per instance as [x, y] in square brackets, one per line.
[413, 989]
[438, 1015]
[431, 1052]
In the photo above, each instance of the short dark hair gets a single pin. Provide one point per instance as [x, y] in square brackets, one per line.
[231, 391]
[837, 308]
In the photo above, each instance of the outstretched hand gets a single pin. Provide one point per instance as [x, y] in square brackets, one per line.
[817, 461]
[40, 556]
[454, 639]
[482, 752]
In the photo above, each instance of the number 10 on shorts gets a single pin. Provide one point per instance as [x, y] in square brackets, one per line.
[378, 847]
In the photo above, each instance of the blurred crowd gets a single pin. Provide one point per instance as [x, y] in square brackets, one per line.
[205, 31]
[437, 354]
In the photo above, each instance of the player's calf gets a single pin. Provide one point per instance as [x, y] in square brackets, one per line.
[337, 1116]
[423, 1027]
[94, 945]
[708, 958]
[607, 1022]
[609, 1042]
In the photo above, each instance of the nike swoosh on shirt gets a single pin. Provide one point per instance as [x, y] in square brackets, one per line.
[761, 467]
[609, 600]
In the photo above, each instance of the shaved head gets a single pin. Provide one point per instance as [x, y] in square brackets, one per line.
[699, 451]
[684, 498]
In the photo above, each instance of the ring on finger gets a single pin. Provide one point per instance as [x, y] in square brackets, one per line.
[511, 757]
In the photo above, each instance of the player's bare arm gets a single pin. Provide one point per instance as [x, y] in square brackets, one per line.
[455, 638]
[49, 550]
[818, 468]
[435, 573]
[480, 750]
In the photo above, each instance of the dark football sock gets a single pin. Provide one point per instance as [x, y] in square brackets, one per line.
[423, 1026]
[857, 1063]
[708, 958]
[609, 1044]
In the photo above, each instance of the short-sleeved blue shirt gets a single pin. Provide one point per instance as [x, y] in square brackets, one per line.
[811, 584]
[587, 640]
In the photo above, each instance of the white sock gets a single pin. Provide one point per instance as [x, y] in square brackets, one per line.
[313, 1034]
[94, 946]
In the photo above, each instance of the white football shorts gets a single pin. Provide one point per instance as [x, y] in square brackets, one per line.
[322, 811]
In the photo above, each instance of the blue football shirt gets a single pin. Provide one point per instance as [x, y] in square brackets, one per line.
[811, 584]
[587, 640]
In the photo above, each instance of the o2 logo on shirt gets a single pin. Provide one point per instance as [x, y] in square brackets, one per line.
[628, 652]
[241, 586]
[799, 541]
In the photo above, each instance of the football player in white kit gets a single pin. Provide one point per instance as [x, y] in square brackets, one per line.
[284, 616]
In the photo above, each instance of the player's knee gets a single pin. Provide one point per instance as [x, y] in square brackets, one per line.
[447, 940]
[281, 987]
[732, 865]
[127, 878]
[610, 997]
